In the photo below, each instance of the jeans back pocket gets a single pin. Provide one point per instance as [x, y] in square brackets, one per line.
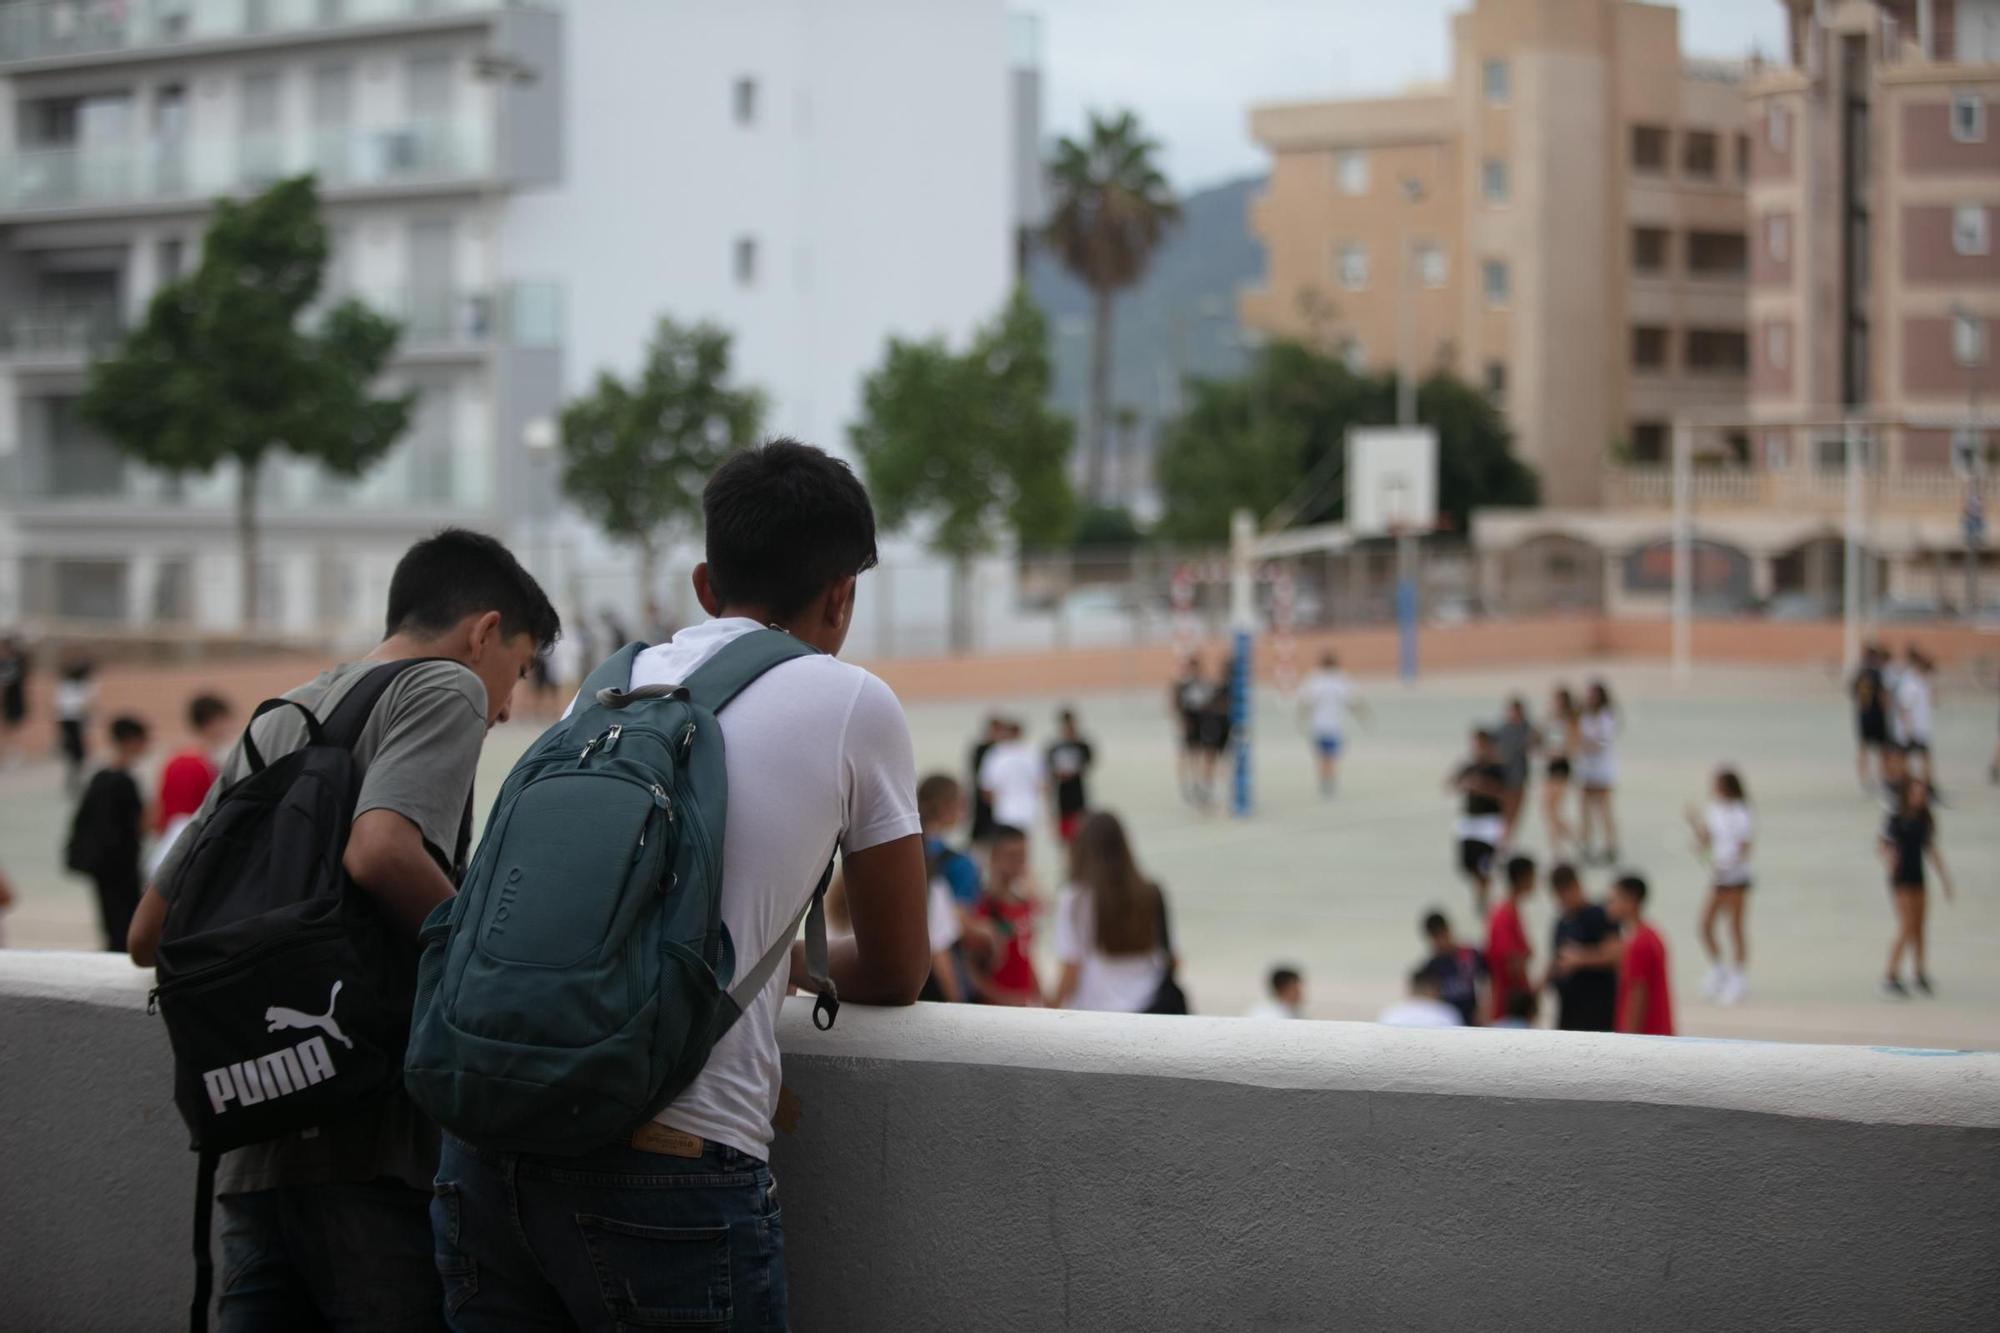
[660, 1277]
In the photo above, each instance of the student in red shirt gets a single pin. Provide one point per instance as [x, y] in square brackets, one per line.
[185, 781]
[1645, 1000]
[1508, 953]
[1007, 906]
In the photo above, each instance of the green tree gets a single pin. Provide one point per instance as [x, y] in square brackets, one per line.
[225, 367]
[968, 441]
[1110, 211]
[636, 455]
[1279, 434]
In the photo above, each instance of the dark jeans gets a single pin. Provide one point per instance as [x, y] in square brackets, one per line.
[613, 1239]
[329, 1257]
[117, 900]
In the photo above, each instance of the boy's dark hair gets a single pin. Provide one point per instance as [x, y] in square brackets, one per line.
[1435, 924]
[1564, 877]
[1426, 978]
[126, 728]
[1731, 783]
[784, 520]
[1521, 1004]
[934, 793]
[1005, 833]
[1282, 977]
[1482, 736]
[1633, 887]
[1520, 870]
[204, 709]
[459, 573]
[1067, 717]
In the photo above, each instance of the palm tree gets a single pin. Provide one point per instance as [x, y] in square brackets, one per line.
[1111, 209]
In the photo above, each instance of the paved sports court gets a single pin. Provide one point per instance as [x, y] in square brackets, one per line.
[1337, 887]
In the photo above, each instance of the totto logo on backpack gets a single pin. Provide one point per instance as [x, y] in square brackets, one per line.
[579, 979]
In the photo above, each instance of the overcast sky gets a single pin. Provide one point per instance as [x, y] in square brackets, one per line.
[1190, 68]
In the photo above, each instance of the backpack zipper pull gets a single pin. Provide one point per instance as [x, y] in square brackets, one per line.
[687, 741]
[153, 1001]
[611, 738]
[659, 803]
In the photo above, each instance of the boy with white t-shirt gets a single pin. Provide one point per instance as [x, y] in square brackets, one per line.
[1010, 776]
[1326, 698]
[819, 757]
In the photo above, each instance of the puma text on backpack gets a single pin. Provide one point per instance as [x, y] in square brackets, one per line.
[285, 989]
[581, 976]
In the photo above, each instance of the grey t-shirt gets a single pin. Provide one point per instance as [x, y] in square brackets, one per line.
[417, 755]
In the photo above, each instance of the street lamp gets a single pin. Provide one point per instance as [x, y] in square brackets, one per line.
[1968, 348]
[1406, 385]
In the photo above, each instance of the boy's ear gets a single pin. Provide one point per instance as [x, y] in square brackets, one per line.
[704, 592]
[840, 601]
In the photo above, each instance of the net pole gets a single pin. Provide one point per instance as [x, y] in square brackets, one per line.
[1406, 604]
[1242, 628]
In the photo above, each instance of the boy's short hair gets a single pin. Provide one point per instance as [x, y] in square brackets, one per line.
[1282, 977]
[935, 793]
[1483, 736]
[206, 708]
[1520, 870]
[1435, 923]
[999, 833]
[125, 729]
[459, 573]
[784, 520]
[1521, 1004]
[1564, 877]
[1633, 886]
[1426, 979]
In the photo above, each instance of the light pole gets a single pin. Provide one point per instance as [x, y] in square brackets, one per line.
[1407, 596]
[1968, 346]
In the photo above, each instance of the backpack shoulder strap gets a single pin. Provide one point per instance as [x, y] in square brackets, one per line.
[349, 717]
[741, 661]
[613, 673]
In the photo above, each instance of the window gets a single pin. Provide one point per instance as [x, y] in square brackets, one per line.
[1700, 154]
[1968, 229]
[1778, 344]
[1494, 78]
[1649, 249]
[744, 100]
[1649, 347]
[1493, 279]
[1649, 441]
[1430, 266]
[1351, 264]
[746, 260]
[172, 254]
[1350, 171]
[1496, 380]
[1777, 450]
[1778, 236]
[1713, 254]
[1742, 157]
[1717, 351]
[1777, 129]
[1968, 338]
[1968, 118]
[1493, 180]
[1649, 149]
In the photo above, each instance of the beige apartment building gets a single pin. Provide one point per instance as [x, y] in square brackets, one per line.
[1562, 221]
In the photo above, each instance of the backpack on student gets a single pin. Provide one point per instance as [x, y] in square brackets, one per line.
[581, 976]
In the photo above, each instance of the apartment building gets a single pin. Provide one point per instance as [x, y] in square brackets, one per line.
[1562, 220]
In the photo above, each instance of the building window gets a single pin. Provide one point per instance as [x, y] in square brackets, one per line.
[1778, 236]
[1496, 380]
[1649, 347]
[1777, 129]
[1350, 171]
[1968, 118]
[1742, 157]
[746, 261]
[1649, 441]
[744, 99]
[1430, 266]
[1493, 180]
[1717, 352]
[1968, 229]
[1778, 345]
[1649, 249]
[1493, 280]
[1494, 78]
[1649, 149]
[1968, 338]
[1717, 254]
[1700, 154]
[1777, 450]
[1351, 264]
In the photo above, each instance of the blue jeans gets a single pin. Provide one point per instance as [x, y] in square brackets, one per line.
[613, 1239]
[328, 1257]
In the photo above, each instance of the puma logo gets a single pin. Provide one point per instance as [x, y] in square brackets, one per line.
[280, 1018]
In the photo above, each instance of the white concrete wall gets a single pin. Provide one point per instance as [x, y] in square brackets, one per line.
[981, 1169]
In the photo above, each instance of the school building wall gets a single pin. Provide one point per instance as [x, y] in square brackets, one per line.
[980, 1169]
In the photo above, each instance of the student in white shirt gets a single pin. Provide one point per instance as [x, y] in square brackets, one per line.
[1724, 832]
[1326, 698]
[819, 759]
[1110, 926]
[1913, 714]
[1422, 1008]
[1010, 777]
[1597, 772]
[1288, 996]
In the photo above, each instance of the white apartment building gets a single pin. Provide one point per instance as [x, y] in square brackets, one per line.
[529, 185]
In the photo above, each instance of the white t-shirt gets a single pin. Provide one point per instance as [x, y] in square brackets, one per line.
[1913, 707]
[1416, 1013]
[942, 916]
[1012, 773]
[1729, 831]
[1125, 984]
[1598, 764]
[1328, 695]
[819, 755]
[1272, 1009]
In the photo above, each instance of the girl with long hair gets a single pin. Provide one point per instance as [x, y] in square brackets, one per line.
[1111, 937]
[1560, 743]
[1909, 839]
[1597, 770]
[1724, 831]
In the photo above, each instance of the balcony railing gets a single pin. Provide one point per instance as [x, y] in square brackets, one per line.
[1815, 489]
[60, 332]
[116, 175]
[43, 29]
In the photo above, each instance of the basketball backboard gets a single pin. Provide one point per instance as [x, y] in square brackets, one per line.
[1392, 474]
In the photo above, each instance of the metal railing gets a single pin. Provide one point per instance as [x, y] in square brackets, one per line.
[45, 29]
[60, 332]
[1651, 486]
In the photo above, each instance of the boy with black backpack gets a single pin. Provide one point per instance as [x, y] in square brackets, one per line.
[284, 922]
[105, 835]
[596, 1022]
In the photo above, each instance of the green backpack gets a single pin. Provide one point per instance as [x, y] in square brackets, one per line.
[581, 976]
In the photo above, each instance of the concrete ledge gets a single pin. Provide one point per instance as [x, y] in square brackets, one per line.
[976, 1169]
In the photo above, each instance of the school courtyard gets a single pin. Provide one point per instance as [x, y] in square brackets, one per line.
[1337, 887]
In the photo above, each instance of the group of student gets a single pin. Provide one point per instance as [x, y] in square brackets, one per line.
[1009, 780]
[1202, 704]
